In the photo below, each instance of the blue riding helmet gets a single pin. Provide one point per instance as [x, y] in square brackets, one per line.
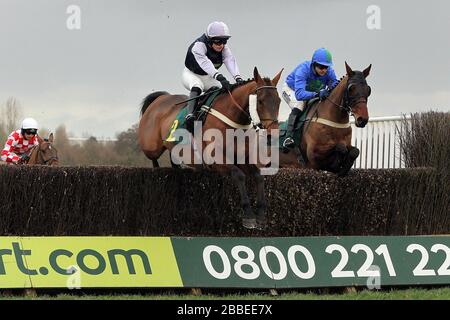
[322, 56]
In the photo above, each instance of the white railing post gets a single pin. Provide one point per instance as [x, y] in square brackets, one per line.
[379, 143]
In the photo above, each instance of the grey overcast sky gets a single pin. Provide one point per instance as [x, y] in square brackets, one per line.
[93, 79]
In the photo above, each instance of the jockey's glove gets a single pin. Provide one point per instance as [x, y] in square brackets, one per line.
[239, 79]
[23, 158]
[223, 81]
[323, 94]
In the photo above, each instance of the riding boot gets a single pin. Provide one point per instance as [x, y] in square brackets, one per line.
[289, 141]
[192, 103]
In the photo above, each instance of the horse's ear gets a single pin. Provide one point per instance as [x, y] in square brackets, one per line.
[277, 78]
[257, 76]
[366, 71]
[40, 140]
[50, 138]
[349, 70]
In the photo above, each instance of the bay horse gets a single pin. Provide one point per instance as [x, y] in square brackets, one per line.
[326, 137]
[160, 109]
[44, 153]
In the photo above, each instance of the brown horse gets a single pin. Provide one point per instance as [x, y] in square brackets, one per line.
[44, 153]
[230, 110]
[326, 139]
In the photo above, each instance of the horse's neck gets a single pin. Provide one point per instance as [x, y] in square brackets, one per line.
[331, 109]
[34, 154]
[241, 97]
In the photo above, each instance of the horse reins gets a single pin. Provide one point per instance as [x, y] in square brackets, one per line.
[239, 107]
[346, 107]
[52, 158]
[349, 103]
[55, 158]
[246, 113]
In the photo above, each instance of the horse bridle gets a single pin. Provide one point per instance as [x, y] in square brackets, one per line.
[259, 125]
[272, 121]
[45, 161]
[350, 102]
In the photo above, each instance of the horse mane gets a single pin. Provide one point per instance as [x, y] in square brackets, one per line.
[337, 83]
[357, 74]
[237, 85]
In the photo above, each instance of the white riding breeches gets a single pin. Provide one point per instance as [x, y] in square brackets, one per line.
[190, 80]
[289, 96]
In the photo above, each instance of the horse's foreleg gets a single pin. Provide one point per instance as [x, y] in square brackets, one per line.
[338, 158]
[291, 160]
[352, 154]
[249, 219]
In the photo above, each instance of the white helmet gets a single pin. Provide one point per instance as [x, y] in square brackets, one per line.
[218, 29]
[30, 123]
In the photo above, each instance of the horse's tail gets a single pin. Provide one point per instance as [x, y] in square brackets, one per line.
[150, 98]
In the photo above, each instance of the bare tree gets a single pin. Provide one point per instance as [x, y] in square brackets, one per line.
[12, 113]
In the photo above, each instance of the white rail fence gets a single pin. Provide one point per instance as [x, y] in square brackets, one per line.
[379, 143]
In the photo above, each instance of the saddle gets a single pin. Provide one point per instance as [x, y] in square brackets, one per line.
[200, 114]
[299, 125]
[205, 100]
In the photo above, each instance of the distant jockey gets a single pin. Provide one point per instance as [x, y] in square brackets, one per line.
[20, 142]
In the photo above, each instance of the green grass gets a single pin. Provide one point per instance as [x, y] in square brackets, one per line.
[398, 294]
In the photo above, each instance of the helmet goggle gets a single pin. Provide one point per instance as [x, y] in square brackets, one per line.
[30, 131]
[219, 41]
[321, 66]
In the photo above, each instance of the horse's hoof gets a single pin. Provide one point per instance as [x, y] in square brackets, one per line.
[261, 226]
[249, 223]
[261, 222]
[353, 153]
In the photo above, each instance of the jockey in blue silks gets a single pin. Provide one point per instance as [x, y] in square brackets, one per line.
[309, 80]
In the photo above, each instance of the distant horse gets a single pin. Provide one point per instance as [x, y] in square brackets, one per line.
[230, 110]
[326, 137]
[44, 153]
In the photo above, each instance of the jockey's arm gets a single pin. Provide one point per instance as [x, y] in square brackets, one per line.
[230, 62]
[199, 51]
[301, 94]
[333, 80]
[7, 154]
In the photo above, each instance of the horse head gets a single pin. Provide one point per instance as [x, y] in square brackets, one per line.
[267, 100]
[356, 95]
[45, 153]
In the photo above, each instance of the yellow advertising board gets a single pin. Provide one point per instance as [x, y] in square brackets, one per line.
[87, 262]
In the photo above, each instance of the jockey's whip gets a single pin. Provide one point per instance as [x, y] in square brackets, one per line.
[202, 95]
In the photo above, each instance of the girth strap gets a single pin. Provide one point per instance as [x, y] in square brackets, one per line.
[225, 119]
[331, 123]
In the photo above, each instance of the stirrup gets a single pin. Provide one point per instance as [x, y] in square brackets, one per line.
[288, 143]
[190, 119]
